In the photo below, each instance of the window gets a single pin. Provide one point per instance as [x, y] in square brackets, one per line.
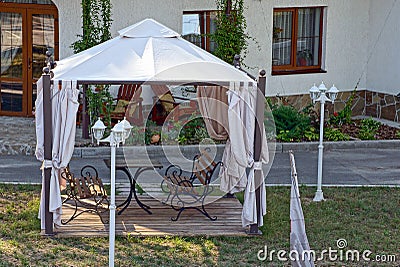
[196, 26]
[297, 40]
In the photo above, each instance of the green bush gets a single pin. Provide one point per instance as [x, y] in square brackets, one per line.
[344, 116]
[311, 134]
[369, 127]
[290, 124]
[332, 134]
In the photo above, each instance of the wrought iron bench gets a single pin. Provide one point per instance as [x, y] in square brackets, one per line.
[190, 192]
[86, 193]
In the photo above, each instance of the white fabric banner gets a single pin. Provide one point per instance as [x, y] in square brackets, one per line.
[298, 236]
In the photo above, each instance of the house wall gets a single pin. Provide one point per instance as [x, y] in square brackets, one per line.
[383, 50]
[345, 38]
[167, 12]
[125, 13]
[70, 23]
[346, 34]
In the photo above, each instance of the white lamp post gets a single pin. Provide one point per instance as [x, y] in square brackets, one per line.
[322, 95]
[127, 129]
[118, 134]
[98, 130]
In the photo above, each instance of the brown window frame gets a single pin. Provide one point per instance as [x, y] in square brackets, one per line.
[292, 68]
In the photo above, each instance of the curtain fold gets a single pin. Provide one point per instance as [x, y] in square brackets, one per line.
[64, 107]
[213, 105]
[231, 114]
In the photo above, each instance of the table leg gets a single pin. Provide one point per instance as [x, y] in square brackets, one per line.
[132, 190]
[140, 203]
[127, 201]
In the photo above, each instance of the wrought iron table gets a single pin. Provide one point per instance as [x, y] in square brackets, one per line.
[141, 166]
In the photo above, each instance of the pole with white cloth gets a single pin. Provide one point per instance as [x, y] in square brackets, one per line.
[298, 237]
[48, 137]
[85, 115]
[260, 107]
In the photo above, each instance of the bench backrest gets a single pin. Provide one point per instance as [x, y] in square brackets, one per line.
[88, 185]
[204, 167]
[129, 91]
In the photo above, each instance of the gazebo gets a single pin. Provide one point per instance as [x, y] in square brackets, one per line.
[148, 52]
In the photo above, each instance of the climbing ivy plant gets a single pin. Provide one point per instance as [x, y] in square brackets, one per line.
[230, 35]
[96, 25]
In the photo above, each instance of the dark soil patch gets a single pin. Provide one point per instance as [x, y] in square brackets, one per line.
[384, 132]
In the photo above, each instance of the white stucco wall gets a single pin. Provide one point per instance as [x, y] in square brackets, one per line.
[346, 39]
[167, 12]
[347, 29]
[384, 65]
[70, 23]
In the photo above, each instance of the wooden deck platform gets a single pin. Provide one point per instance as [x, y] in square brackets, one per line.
[135, 221]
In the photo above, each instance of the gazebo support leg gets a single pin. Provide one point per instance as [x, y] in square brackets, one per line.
[254, 228]
[47, 119]
[85, 115]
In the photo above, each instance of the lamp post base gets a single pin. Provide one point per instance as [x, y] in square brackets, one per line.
[319, 196]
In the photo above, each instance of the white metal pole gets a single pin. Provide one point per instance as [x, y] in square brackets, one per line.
[319, 195]
[112, 205]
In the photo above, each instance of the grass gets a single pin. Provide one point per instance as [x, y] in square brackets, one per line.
[368, 218]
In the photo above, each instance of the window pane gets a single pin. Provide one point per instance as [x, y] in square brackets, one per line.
[282, 38]
[213, 26]
[308, 36]
[191, 30]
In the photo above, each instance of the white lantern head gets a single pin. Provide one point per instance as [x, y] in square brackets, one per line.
[127, 128]
[98, 130]
[314, 93]
[322, 87]
[118, 133]
[332, 93]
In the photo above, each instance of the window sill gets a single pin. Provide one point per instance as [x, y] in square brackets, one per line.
[291, 72]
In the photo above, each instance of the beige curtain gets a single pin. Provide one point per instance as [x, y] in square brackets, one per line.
[213, 104]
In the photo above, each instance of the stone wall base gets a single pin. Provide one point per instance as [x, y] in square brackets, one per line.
[367, 103]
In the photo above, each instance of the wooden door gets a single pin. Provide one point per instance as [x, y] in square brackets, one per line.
[27, 32]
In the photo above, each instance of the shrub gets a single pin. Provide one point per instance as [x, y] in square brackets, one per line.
[344, 116]
[290, 124]
[311, 134]
[332, 134]
[368, 130]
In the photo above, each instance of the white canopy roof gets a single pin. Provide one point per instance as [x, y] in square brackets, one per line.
[147, 51]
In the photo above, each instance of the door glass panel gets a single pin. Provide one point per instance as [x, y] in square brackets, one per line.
[11, 90]
[42, 41]
[11, 45]
[11, 96]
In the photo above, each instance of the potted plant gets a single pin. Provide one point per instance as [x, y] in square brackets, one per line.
[304, 57]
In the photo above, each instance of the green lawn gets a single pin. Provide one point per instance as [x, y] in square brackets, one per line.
[367, 218]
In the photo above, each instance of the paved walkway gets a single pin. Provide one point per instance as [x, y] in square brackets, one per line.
[18, 137]
[345, 163]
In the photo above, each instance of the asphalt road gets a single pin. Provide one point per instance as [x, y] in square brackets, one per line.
[341, 167]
